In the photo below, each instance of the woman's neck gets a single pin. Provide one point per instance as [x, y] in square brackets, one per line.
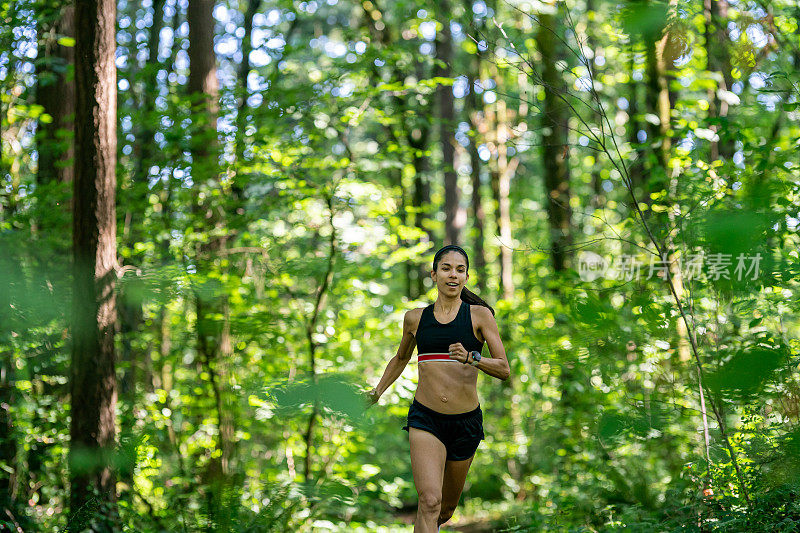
[446, 304]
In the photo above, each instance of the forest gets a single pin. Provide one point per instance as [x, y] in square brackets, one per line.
[214, 215]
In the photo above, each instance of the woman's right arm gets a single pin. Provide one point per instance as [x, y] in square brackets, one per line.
[401, 359]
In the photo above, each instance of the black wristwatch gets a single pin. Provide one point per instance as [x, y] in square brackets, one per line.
[476, 357]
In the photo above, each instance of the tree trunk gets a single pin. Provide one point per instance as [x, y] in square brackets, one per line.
[145, 144]
[636, 166]
[502, 191]
[56, 94]
[719, 62]
[203, 89]
[497, 133]
[202, 60]
[555, 148]
[598, 195]
[92, 374]
[658, 104]
[418, 137]
[214, 341]
[421, 197]
[311, 326]
[131, 313]
[473, 112]
[244, 70]
[385, 37]
[8, 440]
[446, 117]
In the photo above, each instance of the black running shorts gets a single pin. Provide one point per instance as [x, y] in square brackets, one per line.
[460, 433]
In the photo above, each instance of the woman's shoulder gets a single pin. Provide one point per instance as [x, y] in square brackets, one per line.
[480, 312]
[414, 315]
[412, 318]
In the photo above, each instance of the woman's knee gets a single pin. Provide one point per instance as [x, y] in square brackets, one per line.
[430, 502]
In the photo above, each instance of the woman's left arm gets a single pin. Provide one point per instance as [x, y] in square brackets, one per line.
[497, 365]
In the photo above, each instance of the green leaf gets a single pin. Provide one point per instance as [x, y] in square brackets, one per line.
[611, 425]
[334, 393]
[644, 19]
[745, 373]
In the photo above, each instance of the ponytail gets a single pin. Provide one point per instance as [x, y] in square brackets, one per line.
[472, 298]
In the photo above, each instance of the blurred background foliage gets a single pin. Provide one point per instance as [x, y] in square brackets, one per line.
[347, 141]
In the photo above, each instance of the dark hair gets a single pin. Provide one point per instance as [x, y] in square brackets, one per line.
[466, 294]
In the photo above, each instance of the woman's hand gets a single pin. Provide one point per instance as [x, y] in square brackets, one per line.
[370, 398]
[458, 352]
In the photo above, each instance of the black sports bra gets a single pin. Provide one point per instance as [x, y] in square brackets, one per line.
[434, 338]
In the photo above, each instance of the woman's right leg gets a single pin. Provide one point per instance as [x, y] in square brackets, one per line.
[428, 456]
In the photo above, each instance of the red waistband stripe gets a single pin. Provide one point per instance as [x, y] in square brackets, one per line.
[423, 357]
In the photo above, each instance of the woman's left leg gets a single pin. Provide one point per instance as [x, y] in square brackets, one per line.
[455, 473]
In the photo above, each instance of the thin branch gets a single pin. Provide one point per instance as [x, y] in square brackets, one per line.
[615, 156]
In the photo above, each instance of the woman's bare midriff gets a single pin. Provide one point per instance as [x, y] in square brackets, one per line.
[448, 387]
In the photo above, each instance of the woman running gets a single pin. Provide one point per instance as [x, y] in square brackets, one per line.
[445, 422]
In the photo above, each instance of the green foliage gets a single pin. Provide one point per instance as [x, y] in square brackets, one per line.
[745, 372]
[644, 18]
[263, 283]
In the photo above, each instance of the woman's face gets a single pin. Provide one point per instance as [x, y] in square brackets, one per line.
[451, 273]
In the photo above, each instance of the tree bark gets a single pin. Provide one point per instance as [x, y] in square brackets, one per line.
[214, 341]
[719, 62]
[555, 148]
[502, 190]
[92, 375]
[244, 71]
[473, 112]
[659, 105]
[446, 117]
[56, 94]
[202, 80]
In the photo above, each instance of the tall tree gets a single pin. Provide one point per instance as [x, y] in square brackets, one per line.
[636, 167]
[555, 147]
[414, 275]
[93, 385]
[418, 137]
[446, 116]
[719, 62]
[145, 145]
[477, 123]
[145, 156]
[597, 52]
[658, 104]
[501, 172]
[55, 92]
[244, 71]
[213, 324]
